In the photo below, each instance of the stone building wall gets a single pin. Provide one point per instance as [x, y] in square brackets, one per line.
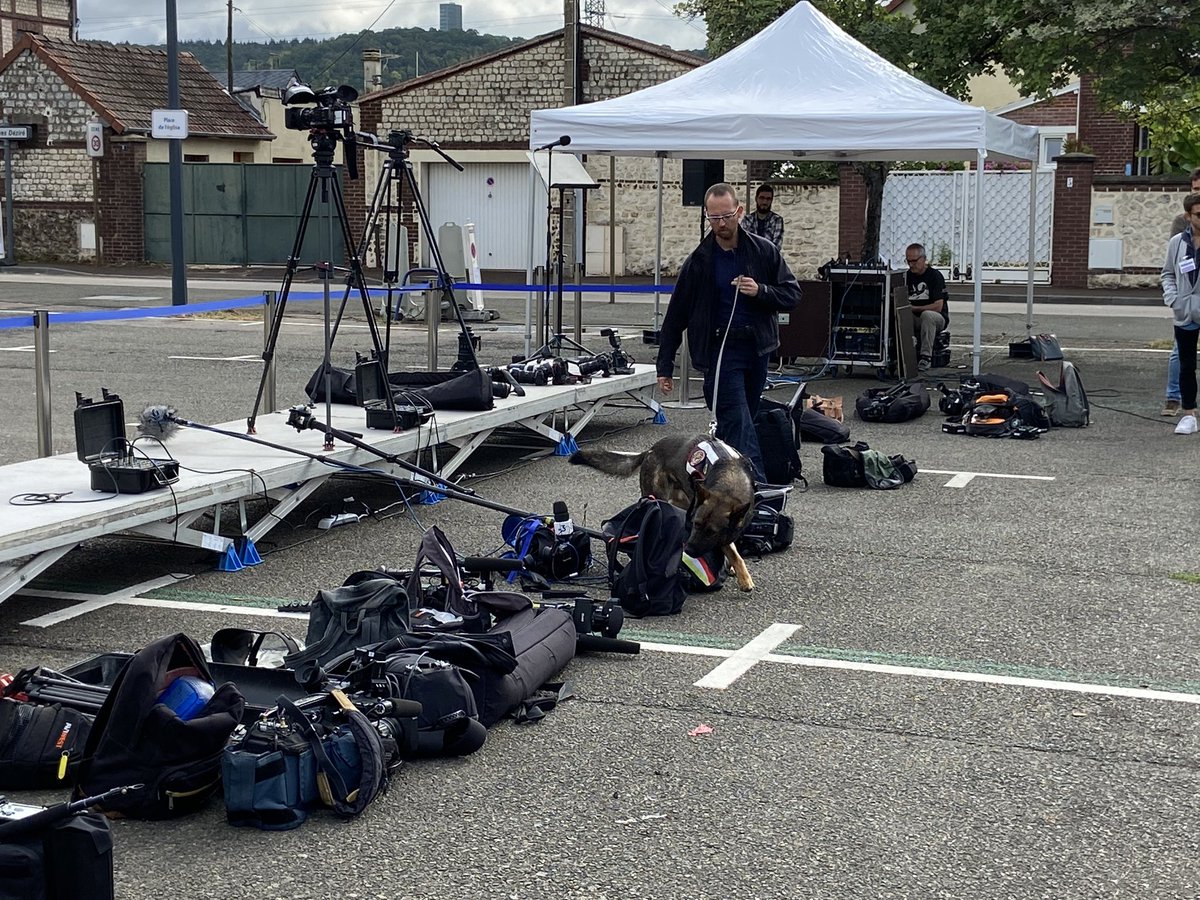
[489, 104]
[810, 214]
[52, 174]
[52, 18]
[1142, 217]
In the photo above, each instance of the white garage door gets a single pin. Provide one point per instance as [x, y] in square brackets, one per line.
[495, 196]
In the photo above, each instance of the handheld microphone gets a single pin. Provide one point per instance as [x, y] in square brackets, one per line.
[158, 422]
[561, 142]
[563, 526]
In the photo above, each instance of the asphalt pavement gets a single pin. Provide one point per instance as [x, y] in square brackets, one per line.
[981, 685]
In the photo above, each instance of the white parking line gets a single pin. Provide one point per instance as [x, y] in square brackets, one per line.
[962, 479]
[743, 659]
[220, 358]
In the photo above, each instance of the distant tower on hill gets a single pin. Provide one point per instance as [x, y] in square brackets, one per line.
[450, 17]
[594, 12]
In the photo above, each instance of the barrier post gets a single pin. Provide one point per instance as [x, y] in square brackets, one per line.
[270, 304]
[539, 278]
[433, 316]
[685, 400]
[579, 304]
[41, 355]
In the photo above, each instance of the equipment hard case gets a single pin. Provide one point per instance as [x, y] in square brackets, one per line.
[100, 443]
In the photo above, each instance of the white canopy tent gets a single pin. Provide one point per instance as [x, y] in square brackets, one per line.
[800, 89]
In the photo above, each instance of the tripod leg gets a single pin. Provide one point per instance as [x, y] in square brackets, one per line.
[281, 304]
[358, 279]
[436, 253]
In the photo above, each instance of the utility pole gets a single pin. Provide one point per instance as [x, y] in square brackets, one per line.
[175, 165]
[229, 49]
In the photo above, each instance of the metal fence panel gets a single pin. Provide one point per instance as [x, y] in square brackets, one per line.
[937, 209]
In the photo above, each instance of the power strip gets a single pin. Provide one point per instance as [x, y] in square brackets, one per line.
[340, 519]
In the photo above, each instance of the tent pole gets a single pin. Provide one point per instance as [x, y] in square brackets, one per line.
[658, 228]
[612, 228]
[529, 265]
[977, 340]
[1033, 174]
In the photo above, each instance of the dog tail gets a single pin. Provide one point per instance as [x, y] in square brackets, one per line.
[610, 462]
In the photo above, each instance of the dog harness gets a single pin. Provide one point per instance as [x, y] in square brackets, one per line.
[704, 454]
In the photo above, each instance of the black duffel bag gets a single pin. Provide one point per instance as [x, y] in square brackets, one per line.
[900, 403]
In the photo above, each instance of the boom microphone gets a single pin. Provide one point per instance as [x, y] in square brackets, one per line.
[561, 142]
[158, 422]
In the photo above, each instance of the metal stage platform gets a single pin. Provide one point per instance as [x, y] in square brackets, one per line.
[34, 537]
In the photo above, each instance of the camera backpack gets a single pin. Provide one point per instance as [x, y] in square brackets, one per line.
[136, 739]
[38, 741]
[777, 439]
[53, 854]
[900, 403]
[364, 610]
[650, 534]
[1067, 404]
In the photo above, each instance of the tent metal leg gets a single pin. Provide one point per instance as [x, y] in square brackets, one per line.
[977, 343]
[1033, 174]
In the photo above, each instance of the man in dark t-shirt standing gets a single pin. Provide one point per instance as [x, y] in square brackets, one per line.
[928, 299]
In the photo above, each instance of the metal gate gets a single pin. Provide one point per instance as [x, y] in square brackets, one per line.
[493, 196]
[238, 214]
[937, 209]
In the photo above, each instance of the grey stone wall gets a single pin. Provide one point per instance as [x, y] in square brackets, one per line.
[810, 215]
[1142, 220]
[28, 87]
[491, 103]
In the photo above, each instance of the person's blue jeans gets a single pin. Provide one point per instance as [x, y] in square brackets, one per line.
[743, 377]
[1173, 374]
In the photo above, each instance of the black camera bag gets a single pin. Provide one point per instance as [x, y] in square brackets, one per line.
[895, 404]
[137, 740]
[68, 859]
[37, 742]
[842, 465]
[359, 613]
[769, 531]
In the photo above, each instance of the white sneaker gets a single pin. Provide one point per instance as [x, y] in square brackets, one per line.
[1187, 425]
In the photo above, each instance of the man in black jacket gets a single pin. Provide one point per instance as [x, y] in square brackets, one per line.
[727, 297]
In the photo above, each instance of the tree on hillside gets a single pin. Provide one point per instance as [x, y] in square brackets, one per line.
[731, 22]
[1145, 55]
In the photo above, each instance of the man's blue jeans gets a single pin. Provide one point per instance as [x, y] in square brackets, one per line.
[743, 377]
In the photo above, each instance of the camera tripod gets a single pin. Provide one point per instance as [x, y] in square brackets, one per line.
[554, 340]
[323, 179]
[397, 170]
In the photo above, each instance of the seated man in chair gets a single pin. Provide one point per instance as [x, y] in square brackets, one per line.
[928, 298]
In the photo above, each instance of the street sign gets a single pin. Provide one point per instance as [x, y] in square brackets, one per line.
[16, 132]
[169, 123]
[95, 139]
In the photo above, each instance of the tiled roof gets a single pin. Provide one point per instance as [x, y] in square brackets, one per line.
[275, 79]
[125, 82]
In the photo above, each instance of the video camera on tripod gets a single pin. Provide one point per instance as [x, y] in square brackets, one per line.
[332, 109]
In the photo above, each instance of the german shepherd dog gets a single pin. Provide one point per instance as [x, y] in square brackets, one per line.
[700, 474]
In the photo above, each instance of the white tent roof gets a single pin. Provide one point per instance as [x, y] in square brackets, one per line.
[800, 88]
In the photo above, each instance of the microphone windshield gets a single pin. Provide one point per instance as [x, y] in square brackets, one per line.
[158, 422]
[564, 140]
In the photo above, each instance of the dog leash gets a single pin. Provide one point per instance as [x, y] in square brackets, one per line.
[712, 425]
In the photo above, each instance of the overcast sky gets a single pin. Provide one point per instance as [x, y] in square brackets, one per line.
[259, 20]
